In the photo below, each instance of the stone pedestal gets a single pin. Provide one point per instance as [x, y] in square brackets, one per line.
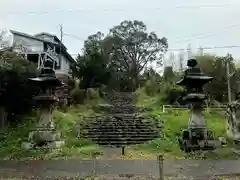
[44, 135]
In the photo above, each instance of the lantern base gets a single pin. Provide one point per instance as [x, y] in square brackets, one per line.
[194, 139]
[43, 139]
[49, 145]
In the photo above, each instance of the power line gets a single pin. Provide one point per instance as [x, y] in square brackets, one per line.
[192, 37]
[207, 34]
[209, 47]
[123, 9]
[76, 37]
[185, 49]
[173, 49]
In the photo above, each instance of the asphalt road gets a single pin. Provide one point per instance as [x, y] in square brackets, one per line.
[73, 168]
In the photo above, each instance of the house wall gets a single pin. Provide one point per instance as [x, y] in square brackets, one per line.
[38, 46]
[46, 38]
[65, 65]
[29, 44]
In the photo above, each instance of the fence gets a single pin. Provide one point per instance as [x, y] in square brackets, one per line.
[164, 107]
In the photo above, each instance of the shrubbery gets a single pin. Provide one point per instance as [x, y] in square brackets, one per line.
[16, 92]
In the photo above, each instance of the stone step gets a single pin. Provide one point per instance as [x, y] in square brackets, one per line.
[119, 144]
[122, 139]
[140, 126]
[123, 136]
[118, 130]
[118, 135]
[123, 121]
[142, 130]
[122, 126]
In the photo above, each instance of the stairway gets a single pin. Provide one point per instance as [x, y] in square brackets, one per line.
[123, 125]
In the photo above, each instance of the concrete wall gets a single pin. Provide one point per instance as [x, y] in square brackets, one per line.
[28, 43]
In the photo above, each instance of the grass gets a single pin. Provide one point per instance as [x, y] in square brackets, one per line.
[174, 122]
[75, 147]
[66, 123]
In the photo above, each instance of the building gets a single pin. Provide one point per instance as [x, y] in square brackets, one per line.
[42, 46]
[37, 48]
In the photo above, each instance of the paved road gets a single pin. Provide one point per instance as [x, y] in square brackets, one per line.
[73, 168]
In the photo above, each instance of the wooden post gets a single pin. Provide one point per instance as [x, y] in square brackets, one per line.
[93, 173]
[39, 60]
[123, 150]
[160, 166]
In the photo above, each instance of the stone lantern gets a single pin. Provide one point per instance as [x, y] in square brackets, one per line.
[45, 135]
[233, 117]
[197, 136]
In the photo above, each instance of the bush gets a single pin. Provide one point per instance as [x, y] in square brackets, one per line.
[92, 94]
[170, 93]
[77, 96]
[16, 91]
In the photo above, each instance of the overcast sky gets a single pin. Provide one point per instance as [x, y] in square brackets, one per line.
[205, 23]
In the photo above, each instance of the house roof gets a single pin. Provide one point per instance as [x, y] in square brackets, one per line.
[48, 34]
[35, 37]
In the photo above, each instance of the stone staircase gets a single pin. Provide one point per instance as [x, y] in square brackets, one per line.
[123, 125]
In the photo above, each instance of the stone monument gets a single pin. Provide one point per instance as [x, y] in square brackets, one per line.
[45, 135]
[197, 136]
[233, 119]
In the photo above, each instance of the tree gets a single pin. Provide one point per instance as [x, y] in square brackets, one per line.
[216, 66]
[132, 48]
[92, 67]
[93, 44]
[15, 92]
[168, 74]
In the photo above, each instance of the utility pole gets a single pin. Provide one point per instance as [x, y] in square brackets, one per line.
[61, 32]
[181, 59]
[200, 51]
[61, 39]
[229, 75]
[189, 51]
[228, 83]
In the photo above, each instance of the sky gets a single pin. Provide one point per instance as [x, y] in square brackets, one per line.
[199, 23]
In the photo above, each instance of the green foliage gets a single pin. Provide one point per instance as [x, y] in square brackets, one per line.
[152, 87]
[92, 94]
[174, 121]
[67, 124]
[216, 67]
[133, 47]
[92, 66]
[168, 74]
[93, 71]
[117, 59]
[14, 74]
[170, 93]
[77, 96]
